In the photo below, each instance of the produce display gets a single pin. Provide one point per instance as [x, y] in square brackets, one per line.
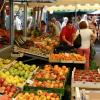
[17, 74]
[21, 70]
[87, 75]
[46, 44]
[9, 90]
[52, 78]
[66, 57]
[52, 73]
[39, 95]
[10, 79]
[4, 62]
[41, 46]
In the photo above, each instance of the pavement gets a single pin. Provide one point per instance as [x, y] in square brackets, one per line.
[97, 56]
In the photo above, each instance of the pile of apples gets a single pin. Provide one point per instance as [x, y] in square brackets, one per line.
[9, 79]
[9, 90]
[17, 74]
[52, 73]
[40, 95]
[87, 75]
[21, 70]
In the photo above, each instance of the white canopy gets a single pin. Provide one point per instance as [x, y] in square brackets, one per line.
[95, 12]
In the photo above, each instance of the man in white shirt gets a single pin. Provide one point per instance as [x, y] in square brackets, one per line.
[17, 23]
[17, 26]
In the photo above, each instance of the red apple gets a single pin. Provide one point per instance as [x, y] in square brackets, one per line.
[13, 89]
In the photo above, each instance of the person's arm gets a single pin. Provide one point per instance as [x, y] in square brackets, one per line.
[94, 36]
[66, 41]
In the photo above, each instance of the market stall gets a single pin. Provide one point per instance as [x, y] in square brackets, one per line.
[39, 73]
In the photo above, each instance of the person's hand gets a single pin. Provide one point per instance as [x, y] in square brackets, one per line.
[70, 44]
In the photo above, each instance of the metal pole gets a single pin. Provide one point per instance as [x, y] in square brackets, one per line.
[75, 13]
[11, 23]
[25, 20]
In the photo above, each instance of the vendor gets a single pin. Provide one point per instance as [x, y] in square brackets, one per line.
[67, 35]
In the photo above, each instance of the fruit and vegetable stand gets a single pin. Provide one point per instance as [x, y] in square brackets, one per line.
[16, 76]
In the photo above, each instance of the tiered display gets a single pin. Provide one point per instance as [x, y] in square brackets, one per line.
[49, 78]
[67, 58]
[42, 84]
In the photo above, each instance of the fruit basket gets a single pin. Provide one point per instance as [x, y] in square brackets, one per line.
[37, 94]
[89, 79]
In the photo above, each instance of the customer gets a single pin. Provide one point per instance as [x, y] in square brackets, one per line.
[52, 29]
[56, 22]
[67, 35]
[43, 27]
[65, 20]
[86, 35]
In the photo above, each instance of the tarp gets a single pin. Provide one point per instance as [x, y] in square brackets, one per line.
[95, 12]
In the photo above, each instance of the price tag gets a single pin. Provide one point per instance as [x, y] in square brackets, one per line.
[29, 81]
[99, 70]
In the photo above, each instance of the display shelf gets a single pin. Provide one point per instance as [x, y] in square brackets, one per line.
[87, 94]
[87, 82]
[79, 62]
[36, 57]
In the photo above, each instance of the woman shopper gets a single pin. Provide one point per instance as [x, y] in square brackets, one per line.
[86, 35]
